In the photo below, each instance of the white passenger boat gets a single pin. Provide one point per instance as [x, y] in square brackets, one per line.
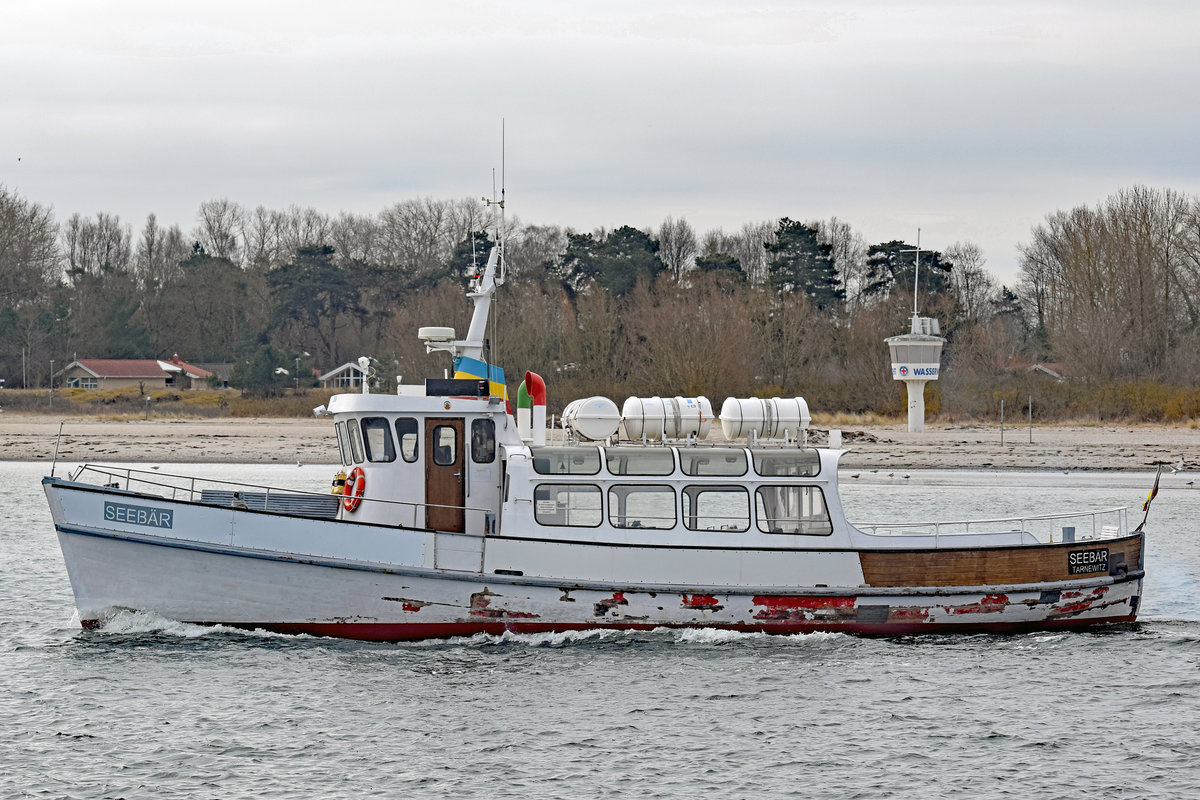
[457, 518]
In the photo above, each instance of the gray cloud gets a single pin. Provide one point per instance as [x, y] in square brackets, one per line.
[971, 121]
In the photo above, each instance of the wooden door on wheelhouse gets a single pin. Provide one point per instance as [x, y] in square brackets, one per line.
[444, 474]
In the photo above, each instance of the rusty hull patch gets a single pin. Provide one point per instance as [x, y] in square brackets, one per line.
[1072, 603]
[602, 607]
[990, 604]
[481, 606]
[801, 608]
[701, 602]
[407, 604]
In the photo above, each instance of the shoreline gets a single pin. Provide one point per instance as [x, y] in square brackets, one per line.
[31, 437]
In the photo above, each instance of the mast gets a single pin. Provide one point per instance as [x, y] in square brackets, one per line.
[470, 359]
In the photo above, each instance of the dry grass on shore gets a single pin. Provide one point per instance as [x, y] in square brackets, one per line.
[128, 403]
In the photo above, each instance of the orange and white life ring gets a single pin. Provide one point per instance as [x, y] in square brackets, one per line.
[356, 488]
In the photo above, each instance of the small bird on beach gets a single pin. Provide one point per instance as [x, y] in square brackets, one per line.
[1178, 467]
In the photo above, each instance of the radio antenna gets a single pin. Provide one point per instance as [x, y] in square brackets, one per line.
[916, 275]
[503, 265]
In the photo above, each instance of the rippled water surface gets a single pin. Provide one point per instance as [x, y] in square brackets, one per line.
[148, 707]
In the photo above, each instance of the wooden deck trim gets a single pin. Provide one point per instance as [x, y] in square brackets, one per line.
[996, 565]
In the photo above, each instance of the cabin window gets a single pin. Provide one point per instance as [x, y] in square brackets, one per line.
[343, 439]
[356, 443]
[406, 435]
[566, 460]
[640, 460]
[712, 461]
[483, 441]
[378, 439]
[716, 508]
[641, 507]
[445, 446]
[573, 504]
[793, 509]
[804, 463]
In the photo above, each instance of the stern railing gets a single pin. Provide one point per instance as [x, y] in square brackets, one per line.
[1077, 526]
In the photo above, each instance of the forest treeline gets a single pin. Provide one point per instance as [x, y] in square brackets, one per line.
[1109, 294]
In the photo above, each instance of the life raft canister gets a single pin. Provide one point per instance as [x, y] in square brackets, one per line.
[339, 483]
[356, 487]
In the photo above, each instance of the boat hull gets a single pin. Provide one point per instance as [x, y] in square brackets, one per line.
[209, 584]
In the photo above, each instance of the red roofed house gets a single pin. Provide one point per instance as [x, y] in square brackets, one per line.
[112, 373]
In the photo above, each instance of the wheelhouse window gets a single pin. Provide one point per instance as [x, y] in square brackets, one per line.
[793, 509]
[805, 463]
[356, 442]
[483, 441]
[445, 446]
[567, 504]
[712, 461]
[566, 460]
[716, 508]
[343, 440]
[378, 439]
[406, 435]
[641, 507]
[640, 460]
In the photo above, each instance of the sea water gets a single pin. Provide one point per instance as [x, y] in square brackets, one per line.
[151, 708]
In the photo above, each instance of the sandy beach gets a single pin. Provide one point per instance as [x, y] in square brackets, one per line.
[31, 437]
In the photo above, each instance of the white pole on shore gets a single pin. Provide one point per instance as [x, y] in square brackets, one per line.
[1002, 422]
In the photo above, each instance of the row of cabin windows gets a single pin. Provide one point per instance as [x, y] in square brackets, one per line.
[778, 509]
[718, 461]
[370, 439]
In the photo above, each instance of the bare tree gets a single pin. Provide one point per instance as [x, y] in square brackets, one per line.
[849, 258]
[219, 228]
[92, 246]
[973, 286]
[677, 247]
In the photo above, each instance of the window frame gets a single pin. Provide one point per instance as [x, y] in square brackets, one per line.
[416, 439]
[455, 447]
[369, 424]
[548, 487]
[688, 456]
[646, 488]
[541, 453]
[801, 521]
[690, 491]
[356, 442]
[489, 439]
[343, 440]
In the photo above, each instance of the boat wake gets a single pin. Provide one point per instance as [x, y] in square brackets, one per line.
[128, 622]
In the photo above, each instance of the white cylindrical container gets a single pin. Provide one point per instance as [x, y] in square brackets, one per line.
[689, 416]
[644, 417]
[592, 418]
[771, 418]
[741, 416]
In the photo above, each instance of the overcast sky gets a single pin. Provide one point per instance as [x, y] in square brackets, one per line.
[970, 120]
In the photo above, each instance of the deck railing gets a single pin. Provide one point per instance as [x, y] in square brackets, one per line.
[1106, 523]
[186, 488]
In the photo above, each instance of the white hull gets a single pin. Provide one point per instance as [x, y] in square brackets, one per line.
[242, 568]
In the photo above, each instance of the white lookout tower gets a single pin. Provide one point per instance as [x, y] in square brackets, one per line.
[917, 355]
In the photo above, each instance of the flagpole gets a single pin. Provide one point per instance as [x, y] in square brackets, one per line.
[1149, 498]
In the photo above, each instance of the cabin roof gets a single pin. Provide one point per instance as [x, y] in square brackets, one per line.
[119, 367]
[349, 366]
